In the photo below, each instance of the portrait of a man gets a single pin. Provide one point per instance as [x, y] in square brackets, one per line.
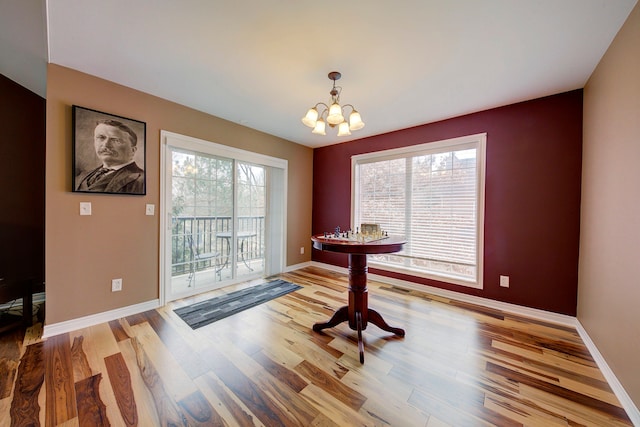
[109, 153]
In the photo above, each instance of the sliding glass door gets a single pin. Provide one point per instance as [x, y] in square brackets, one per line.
[217, 220]
[251, 212]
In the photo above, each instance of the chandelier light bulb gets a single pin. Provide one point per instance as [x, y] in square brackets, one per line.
[355, 121]
[343, 129]
[311, 117]
[335, 114]
[319, 128]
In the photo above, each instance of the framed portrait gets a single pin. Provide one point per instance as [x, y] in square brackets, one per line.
[109, 153]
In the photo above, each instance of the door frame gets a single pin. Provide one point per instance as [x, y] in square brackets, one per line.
[276, 233]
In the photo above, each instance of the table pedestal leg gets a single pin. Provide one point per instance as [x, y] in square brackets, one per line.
[360, 342]
[341, 315]
[357, 313]
[376, 319]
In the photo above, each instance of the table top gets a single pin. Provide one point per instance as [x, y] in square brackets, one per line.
[383, 246]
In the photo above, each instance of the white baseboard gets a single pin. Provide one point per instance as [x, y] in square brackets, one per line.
[562, 319]
[616, 386]
[329, 267]
[94, 319]
[289, 268]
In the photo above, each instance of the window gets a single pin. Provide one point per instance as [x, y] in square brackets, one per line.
[433, 194]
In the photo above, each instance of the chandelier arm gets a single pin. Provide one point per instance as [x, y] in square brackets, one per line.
[325, 110]
[349, 105]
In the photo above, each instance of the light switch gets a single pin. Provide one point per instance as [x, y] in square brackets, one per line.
[85, 208]
[151, 209]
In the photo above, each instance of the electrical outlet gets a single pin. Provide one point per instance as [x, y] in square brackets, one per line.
[301, 250]
[116, 285]
[504, 281]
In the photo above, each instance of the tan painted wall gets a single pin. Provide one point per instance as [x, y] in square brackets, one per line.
[83, 254]
[609, 272]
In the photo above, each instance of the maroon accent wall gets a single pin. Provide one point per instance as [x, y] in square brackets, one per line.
[22, 151]
[532, 202]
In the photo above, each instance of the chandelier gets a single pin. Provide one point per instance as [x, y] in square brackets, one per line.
[333, 114]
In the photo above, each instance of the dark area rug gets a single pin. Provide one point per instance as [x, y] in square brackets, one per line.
[206, 312]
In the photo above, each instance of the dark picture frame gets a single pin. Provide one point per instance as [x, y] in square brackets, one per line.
[106, 140]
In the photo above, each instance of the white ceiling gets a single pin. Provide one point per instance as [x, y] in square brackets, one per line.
[264, 63]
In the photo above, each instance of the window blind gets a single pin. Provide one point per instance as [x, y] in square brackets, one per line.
[431, 196]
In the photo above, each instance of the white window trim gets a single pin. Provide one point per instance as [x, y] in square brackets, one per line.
[478, 140]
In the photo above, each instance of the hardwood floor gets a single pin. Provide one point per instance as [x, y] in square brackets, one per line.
[459, 365]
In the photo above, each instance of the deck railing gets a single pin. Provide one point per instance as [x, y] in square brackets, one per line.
[205, 233]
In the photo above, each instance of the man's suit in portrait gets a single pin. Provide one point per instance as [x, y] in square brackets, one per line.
[129, 179]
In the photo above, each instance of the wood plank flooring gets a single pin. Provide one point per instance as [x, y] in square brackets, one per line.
[459, 365]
